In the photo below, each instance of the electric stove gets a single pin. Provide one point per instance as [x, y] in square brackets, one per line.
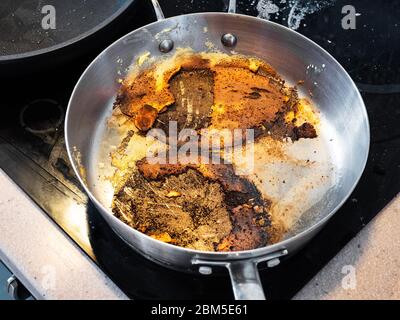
[33, 154]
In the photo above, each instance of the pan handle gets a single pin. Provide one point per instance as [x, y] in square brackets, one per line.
[160, 13]
[232, 6]
[157, 9]
[244, 274]
[245, 280]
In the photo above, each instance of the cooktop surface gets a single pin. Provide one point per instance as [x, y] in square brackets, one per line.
[33, 154]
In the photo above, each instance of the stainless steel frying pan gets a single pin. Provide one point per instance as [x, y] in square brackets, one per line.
[294, 56]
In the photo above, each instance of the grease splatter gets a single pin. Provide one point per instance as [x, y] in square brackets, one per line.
[293, 11]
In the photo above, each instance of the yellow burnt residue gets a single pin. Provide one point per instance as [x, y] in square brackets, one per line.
[82, 172]
[142, 58]
[164, 237]
[78, 159]
[254, 64]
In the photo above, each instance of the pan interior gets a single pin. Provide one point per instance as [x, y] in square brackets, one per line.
[296, 177]
[304, 199]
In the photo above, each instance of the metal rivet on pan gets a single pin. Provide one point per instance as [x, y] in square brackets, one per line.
[166, 45]
[273, 263]
[229, 40]
[205, 270]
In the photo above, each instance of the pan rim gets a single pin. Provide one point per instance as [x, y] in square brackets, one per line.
[35, 53]
[230, 255]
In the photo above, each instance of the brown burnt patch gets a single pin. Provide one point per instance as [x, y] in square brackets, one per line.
[244, 99]
[145, 117]
[246, 233]
[156, 171]
[222, 173]
[157, 197]
[196, 218]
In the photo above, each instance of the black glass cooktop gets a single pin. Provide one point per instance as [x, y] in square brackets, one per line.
[32, 150]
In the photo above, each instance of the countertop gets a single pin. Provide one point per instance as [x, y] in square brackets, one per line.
[42, 257]
[368, 267]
